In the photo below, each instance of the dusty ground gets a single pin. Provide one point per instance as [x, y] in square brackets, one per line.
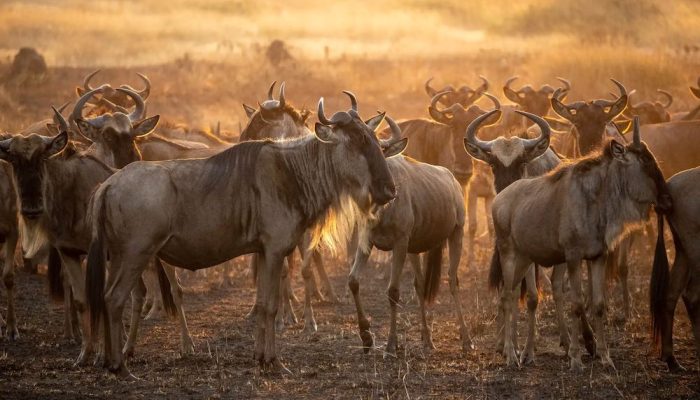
[331, 364]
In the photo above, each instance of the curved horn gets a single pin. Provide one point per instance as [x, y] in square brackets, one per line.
[512, 95]
[395, 130]
[60, 111]
[440, 115]
[339, 117]
[559, 107]
[63, 107]
[545, 129]
[621, 102]
[282, 100]
[473, 127]
[321, 114]
[353, 100]
[86, 81]
[567, 84]
[62, 124]
[140, 108]
[147, 90]
[484, 85]
[78, 108]
[269, 91]
[494, 99]
[668, 96]
[428, 89]
[434, 101]
[636, 137]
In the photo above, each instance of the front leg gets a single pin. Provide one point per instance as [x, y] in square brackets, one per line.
[71, 265]
[360, 261]
[558, 277]
[528, 355]
[577, 310]
[398, 256]
[598, 304]
[418, 280]
[8, 278]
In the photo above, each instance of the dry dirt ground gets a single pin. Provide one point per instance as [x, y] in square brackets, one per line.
[331, 363]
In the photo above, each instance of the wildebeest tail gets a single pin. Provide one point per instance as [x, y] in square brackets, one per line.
[658, 287]
[95, 277]
[495, 271]
[165, 292]
[53, 274]
[433, 268]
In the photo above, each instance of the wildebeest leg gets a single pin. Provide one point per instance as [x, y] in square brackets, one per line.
[308, 275]
[691, 297]
[359, 263]
[8, 278]
[488, 201]
[119, 285]
[454, 243]
[528, 355]
[622, 275]
[577, 309]
[186, 343]
[678, 282]
[598, 307]
[254, 265]
[286, 316]
[67, 307]
[71, 264]
[472, 222]
[514, 269]
[290, 265]
[426, 335]
[398, 257]
[270, 285]
[327, 289]
[138, 295]
[558, 275]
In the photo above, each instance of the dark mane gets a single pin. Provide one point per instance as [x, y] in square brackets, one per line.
[256, 123]
[236, 162]
[581, 165]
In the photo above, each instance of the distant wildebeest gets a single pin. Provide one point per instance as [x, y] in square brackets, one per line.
[650, 112]
[427, 215]
[256, 197]
[666, 287]
[510, 159]
[463, 95]
[279, 120]
[28, 67]
[577, 212]
[111, 97]
[692, 114]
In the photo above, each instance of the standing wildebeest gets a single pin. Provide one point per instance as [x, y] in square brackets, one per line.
[28, 66]
[428, 213]
[511, 159]
[9, 234]
[665, 288]
[577, 212]
[465, 95]
[256, 197]
[650, 112]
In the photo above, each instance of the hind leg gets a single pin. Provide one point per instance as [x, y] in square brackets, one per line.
[678, 282]
[691, 298]
[558, 276]
[8, 278]
[359, 263]
[67, 307]
[598, 306]
[528, 355]
[268, 301]
[418, 279]
[455, 251]
[327, 287]
[514, 268]
[308, 275]
[137, 298]
[186, 343]
[71, 265]
[398, 256]
[472, 224]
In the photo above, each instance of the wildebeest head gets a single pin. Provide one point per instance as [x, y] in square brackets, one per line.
[590, 118]
[360, 153]
[114, 134]
[112, 98]
[274, 119]
[651, 112]
[465, 95]
[533, 101]
[645, 181]
[458, 118]
[507, 157]
[28, 155]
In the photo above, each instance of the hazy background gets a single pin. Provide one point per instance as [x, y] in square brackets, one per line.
[206, 57]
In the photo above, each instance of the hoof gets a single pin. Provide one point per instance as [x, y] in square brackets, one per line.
[310, 328]
[674, 366]
[274, 367]
[390, 348]
[512, 359]
[121, 371]
[187, 348]
[527, 358]
[576, 365]
[81, 361]
[367, 340]
[591, 346]
[13, 334]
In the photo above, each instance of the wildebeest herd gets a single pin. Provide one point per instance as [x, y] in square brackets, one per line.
[100, 188]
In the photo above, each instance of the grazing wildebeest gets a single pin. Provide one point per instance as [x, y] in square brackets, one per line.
[577, 212]
[28, 67]
[651, 112]
[465, 95]
[428, 214]
[665, 288]
[111, 97]
[279, 120]
[511, 159]
[256, 197]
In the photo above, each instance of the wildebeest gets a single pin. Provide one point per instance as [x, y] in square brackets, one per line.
[28, 67]
[577, 212]
[428, 214]
[464, 95]
[111, 97]
[9, 234]
[666, 288]
[651, 112]
[511, 159]
[256, 197]
[692, 114]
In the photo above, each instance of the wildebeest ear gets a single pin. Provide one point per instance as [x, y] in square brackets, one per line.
[395, 148]
[617, 150]
[249, 111]
[325, 133]
[56, 144]
[87, 130]
[374, 122]
[51, 127]
[476, 152]
[144, 127]
[558, 124]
